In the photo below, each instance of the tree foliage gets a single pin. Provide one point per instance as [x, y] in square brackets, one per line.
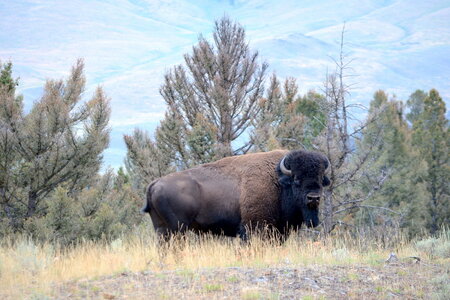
[146, 159]
[218, 89]
[286, 119]
[415, 104]
[105, 210]
[58, 142]
[393, 168]
[431, 137]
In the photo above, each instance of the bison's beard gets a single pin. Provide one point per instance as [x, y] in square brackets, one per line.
[313, 219]
[310, 217]
[310, 214]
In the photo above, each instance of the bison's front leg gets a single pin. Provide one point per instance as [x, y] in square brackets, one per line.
[262, 230]
[243, 233]
[246, 231]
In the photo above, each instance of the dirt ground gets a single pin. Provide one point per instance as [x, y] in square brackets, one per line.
[398, 280]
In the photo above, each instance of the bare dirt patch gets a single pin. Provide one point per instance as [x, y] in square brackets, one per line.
[406, 280]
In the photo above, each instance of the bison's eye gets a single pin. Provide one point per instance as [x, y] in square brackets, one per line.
[297, 181]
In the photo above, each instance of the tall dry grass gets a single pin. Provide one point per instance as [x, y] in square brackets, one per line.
[27, 267]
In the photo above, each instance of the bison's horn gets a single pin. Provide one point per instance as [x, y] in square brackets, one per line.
[283, 168]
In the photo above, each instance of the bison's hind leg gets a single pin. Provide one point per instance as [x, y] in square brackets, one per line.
[163, 232]
[176, 218]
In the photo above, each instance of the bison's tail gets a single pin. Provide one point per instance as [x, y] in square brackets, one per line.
[148, 198]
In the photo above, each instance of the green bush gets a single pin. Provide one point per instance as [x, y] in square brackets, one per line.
[107, 209]
[436, 247]
[441, 287]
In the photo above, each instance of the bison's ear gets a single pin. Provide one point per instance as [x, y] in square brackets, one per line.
[285, 181]
[326, 181]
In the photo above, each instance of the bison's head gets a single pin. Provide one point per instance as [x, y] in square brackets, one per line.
[302, 177]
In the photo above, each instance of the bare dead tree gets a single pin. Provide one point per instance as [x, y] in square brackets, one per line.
[346, 166]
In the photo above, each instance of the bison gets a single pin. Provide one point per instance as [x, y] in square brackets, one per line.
[279, 189]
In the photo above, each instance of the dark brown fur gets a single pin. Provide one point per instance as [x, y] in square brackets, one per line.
[226, 195]
[257, 179]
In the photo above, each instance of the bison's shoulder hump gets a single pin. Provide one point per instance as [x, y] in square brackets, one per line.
[248, 161]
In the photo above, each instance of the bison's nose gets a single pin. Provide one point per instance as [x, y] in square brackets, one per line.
[313, 199]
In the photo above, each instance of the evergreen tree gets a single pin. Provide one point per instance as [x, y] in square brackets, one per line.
[431, 137]
[290, 130]
[146, 159]
[201, 140]
[310, 106]
[62, 220]
[287, 120]
[59, 141]
[6, 79]
[391, 177]
[222, 82]
[10, 112]
[263, 136]
[106, 209]
[415, 105]
[116, 210]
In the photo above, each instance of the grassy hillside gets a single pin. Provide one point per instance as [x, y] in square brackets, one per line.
[343, 265]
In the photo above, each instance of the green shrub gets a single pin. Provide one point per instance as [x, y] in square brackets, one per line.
[341, 254]
[436, 247]
[104, 210]
[441, 287]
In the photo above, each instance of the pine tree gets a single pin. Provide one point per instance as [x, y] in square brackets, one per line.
[391, 176]
[290, 129]
[146, 159]
[431, 137]
[264, 136]
[201, 140]
[110, 208]
[10, 112]
[287, 120]
[62, 218]
[60, 141]
[415, 105]
[6, 79]
[222, 82]
[106, 209]
[310, 106]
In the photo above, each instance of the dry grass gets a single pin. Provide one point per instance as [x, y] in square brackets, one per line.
[27, 268]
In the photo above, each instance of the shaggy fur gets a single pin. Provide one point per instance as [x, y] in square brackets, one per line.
[305, 163]
[258, 184]
[226, 195]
